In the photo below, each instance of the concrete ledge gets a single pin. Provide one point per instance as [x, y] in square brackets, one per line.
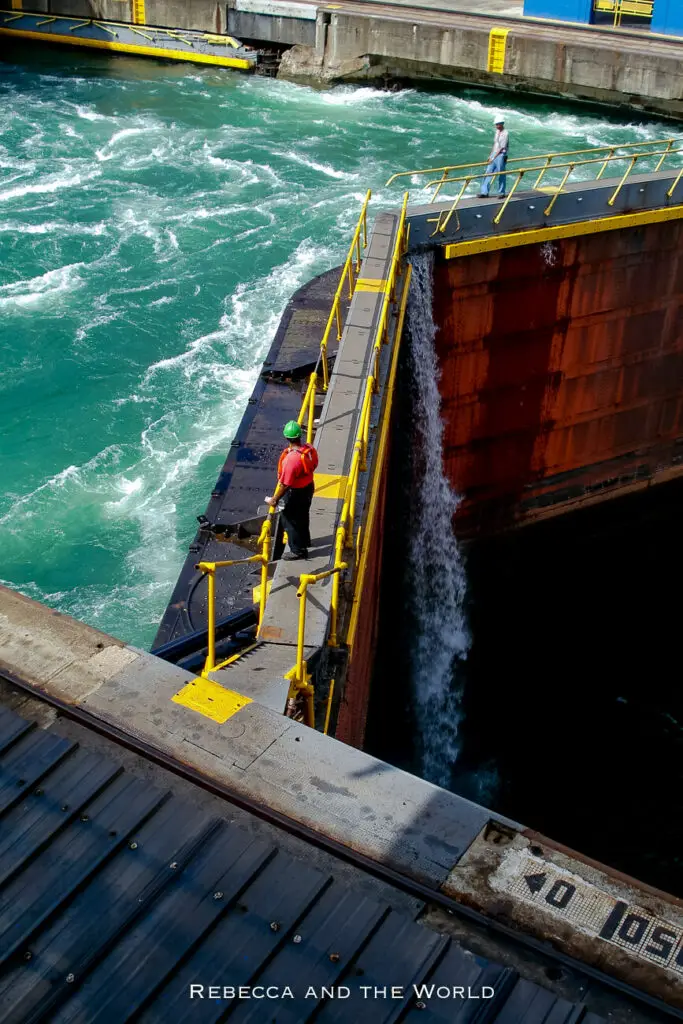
[343, 793]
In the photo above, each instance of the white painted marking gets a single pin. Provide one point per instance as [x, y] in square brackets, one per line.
[591, 910]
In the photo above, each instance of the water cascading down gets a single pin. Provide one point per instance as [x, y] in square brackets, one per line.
[436, 573]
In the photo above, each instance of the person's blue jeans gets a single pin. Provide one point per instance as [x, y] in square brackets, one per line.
[497, 164]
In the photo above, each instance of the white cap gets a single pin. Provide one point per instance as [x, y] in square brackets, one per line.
[499, 119]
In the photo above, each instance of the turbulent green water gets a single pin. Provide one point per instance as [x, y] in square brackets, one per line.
[154, 220]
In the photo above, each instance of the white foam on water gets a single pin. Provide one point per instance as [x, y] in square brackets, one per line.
[358, 96]
[435, 567]
[97, 321]
[52, 184]
[245, 170]
[331, 172]
[38, 289]
[61, 227]
[90, 115]
[213, 378]
[63, 489]
[108, 151]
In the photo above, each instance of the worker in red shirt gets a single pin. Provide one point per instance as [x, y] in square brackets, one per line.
[295, 483]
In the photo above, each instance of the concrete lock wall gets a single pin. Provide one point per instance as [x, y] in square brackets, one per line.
[272, 22]
[588, 65]
[262, 20]
[562, 372]
[203, 15]
[105, 10]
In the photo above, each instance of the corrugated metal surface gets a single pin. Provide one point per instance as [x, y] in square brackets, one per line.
[116, 897]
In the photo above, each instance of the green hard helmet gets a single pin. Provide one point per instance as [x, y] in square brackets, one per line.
[292, 431]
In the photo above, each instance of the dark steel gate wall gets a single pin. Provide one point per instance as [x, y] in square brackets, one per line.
[562, 371]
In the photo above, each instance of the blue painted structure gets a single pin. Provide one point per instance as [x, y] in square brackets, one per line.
[562, 10]
[667, 17]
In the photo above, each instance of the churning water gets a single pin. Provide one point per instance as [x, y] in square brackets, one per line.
[154, 221]
[435, 571]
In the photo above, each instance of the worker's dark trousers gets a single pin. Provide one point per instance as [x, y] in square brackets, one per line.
[296, 518]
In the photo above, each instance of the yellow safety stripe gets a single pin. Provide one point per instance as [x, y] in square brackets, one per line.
[371, 284]
[210, 699]
[584, 227]
[146, 51]
[327, 485]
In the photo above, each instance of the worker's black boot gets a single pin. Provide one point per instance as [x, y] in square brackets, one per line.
[294, 556]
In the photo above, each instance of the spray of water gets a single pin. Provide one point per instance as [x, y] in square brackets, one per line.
[437, 582]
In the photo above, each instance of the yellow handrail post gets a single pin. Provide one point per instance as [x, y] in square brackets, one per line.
[543, 170]
[210, 569]
[353, 485]
[311, 408]
[520, 175]
[610, 201]
[332, 640]
[442, 225]
[307, 409]
[678, 178]
[439, 186]
[364, 425]
[606, 164]
[664, 154]
[298, 677]
[301, 593]
[326, 369]
[265, 559]
[328, 710]
[549, 207]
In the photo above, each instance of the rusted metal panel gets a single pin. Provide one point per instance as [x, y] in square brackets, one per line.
[558, 359]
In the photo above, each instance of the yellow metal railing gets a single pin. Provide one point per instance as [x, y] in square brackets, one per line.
[209, 569]
[564, 169]
[347, 280]
[347, 539]
[633, 8]
[299, 677]
[521, 162]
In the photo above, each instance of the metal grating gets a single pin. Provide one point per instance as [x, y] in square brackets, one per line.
[116, 897]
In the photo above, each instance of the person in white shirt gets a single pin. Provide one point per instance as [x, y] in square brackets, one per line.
[497, 159]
